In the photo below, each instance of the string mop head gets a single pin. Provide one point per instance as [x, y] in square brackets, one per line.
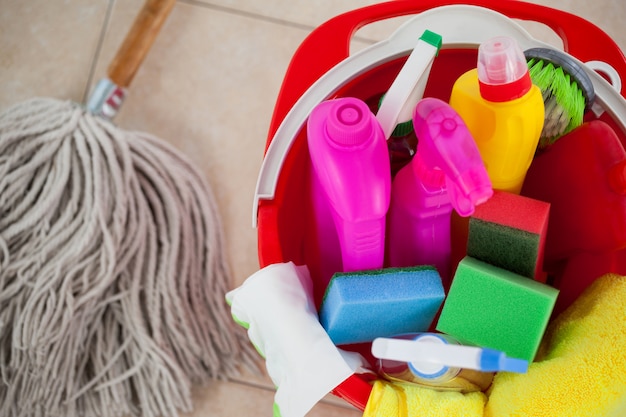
[112, 273]
[566, 89]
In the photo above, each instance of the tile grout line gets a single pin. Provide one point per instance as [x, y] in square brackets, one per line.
[257, 16]
[239, 12]
[96, 56]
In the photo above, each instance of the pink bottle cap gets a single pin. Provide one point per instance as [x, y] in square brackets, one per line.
[348, 122]
[502, 70]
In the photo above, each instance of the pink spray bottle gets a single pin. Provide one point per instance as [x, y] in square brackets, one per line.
[351, 181]
[446, 173]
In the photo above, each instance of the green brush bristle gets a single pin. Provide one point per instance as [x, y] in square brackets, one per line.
[563, 99]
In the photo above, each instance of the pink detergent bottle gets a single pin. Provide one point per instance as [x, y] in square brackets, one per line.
[352, 182]
[446, 173]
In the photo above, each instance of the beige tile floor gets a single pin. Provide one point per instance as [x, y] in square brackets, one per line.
[208, 86]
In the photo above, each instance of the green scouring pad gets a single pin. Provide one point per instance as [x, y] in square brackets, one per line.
[566, 88]
[494, 308]
[509, 231]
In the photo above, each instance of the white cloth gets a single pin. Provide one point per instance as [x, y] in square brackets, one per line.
[277, 305]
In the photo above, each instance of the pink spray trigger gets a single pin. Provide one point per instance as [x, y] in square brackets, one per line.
[446, 144]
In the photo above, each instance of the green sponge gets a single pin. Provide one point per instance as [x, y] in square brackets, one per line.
[509, 231]
[494, 308]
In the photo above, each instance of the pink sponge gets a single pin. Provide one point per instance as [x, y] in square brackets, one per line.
[509, 231]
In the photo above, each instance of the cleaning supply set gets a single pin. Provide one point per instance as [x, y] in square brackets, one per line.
[500, 300]
[446, 173]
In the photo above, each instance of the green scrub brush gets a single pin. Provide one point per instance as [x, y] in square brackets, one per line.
[567, 91]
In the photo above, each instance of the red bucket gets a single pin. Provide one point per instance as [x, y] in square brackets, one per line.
[282, 204]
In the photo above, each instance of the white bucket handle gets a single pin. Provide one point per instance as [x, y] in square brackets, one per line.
[613, 76]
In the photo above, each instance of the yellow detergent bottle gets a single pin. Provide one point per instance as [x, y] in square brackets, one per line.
[503, 111]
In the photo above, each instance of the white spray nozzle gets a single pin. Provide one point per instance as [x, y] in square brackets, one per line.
[409, 85]
[427, 349]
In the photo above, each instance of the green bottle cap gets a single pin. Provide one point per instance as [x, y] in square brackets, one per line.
[402, 129]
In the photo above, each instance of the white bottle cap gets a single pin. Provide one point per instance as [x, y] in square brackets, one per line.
[502, 70]
[427, 369]
[501, 61]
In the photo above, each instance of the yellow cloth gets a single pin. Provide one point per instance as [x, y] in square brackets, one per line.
[405, 400]
[581, 367]
[580, 371]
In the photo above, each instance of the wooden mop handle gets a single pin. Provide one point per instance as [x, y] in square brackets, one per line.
[138, 41]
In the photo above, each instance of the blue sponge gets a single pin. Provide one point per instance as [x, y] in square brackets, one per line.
[361, 306]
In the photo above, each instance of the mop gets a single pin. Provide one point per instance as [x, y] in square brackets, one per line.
[112, 270]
